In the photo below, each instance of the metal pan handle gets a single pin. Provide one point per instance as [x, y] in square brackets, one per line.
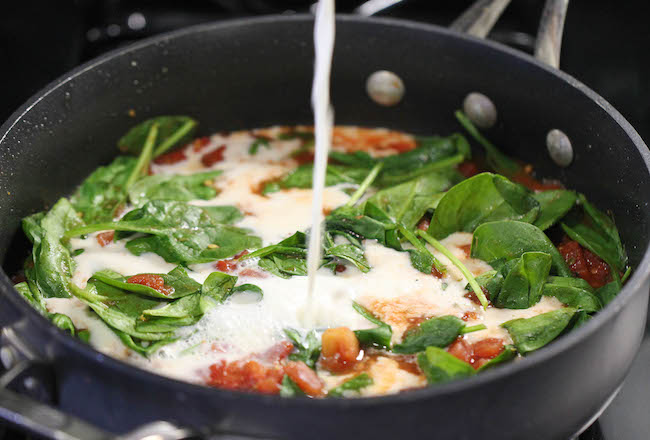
[479, 19]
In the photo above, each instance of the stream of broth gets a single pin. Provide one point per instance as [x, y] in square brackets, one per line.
[324, 30]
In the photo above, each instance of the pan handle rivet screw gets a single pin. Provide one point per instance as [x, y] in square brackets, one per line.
[559, 147]
[480, 110]
[385, 88]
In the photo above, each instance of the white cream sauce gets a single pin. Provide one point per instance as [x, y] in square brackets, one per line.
[395, 291]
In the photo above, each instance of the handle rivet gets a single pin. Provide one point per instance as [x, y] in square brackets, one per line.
[559, 147]
[480, 110]
[385, 88]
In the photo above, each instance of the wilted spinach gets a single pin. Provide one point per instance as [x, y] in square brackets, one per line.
[178, 232]
[533, 333]
[511, 239]
[480, 199]
[439, 366]
[434, 332]
[173, 187]
[377, 337]
[523, 285]
[306, 349]
[554, 204]
[172, 131]
[574, 292]
[351, 385]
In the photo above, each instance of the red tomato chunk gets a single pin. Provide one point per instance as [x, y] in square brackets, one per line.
[477, 354]
[584, 264]
[200, 143]
[305, 378]
[246, 376]
[156, 282]
[171, 158]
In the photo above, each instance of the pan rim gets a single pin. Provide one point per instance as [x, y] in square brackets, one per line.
[631, 289]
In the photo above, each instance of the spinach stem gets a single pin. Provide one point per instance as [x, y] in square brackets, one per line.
[365, 184]
[448, 162]
[174, 138]
[470, 278]
[501, 162]
[473, 328]
[410, 236]
[145, 157]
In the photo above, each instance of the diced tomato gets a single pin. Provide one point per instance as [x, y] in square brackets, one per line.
[423, 225]
[200, 143]
[461, 349]
[340, 268]
[525, 178]
[171, 157]
[104, 238]
[246, 376]
[305, 378]
[468, 168]
[584, 264]
[401, 146]
[340, 349]
[230, 264]
[488, 348]
[213, 157]
[156, 282]
[304, 157]
[436, 273]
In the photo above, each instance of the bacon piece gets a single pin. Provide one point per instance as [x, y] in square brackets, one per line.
[213, 157]
[156, 282]
[104, 238]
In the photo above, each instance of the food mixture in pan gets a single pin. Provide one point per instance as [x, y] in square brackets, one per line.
[187, 257]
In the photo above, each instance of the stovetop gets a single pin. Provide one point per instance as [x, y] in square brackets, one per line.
[605, 46]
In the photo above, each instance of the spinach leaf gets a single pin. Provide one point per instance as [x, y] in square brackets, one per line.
[51, 273]
[354, 384]
[173, 187]
[145, 348]
[597, 232]
[509, 353]
[533, 333]
[554, 205]
[350, 253]
[421, 258]
[177, 282]
[377, 337]
[490, 282]
[301, 177]
[608, 292]
[522, 287]
[172, 131]
[102, 194]
[434, 332]
[511, 239]
[32, 296]
[495, 158]
[480, 199]
[306, 349]
[574, 292]
[289, 388]
[257, 291]
[218, 286]
[178, 232]
[285, 259]
[407, 202]
[439, 366]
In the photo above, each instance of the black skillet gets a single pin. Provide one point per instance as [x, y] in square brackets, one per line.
[257, 72]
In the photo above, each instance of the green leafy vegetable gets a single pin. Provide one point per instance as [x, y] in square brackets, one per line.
[522, 287]
[351, 385]
[533, 333]
[173, 187]
[172, 131]
[257, 143]
[554, 205]
[378, 337]
[511, 239]
[574, 292]
[495, 158]
[434, 332]
[178, 232]
[177, 282]
[480, 199]
[439, 366]
[306, 349]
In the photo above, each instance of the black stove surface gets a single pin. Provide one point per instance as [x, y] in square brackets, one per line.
[605, 46]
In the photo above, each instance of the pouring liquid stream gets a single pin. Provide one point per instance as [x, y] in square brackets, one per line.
[324, 30]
